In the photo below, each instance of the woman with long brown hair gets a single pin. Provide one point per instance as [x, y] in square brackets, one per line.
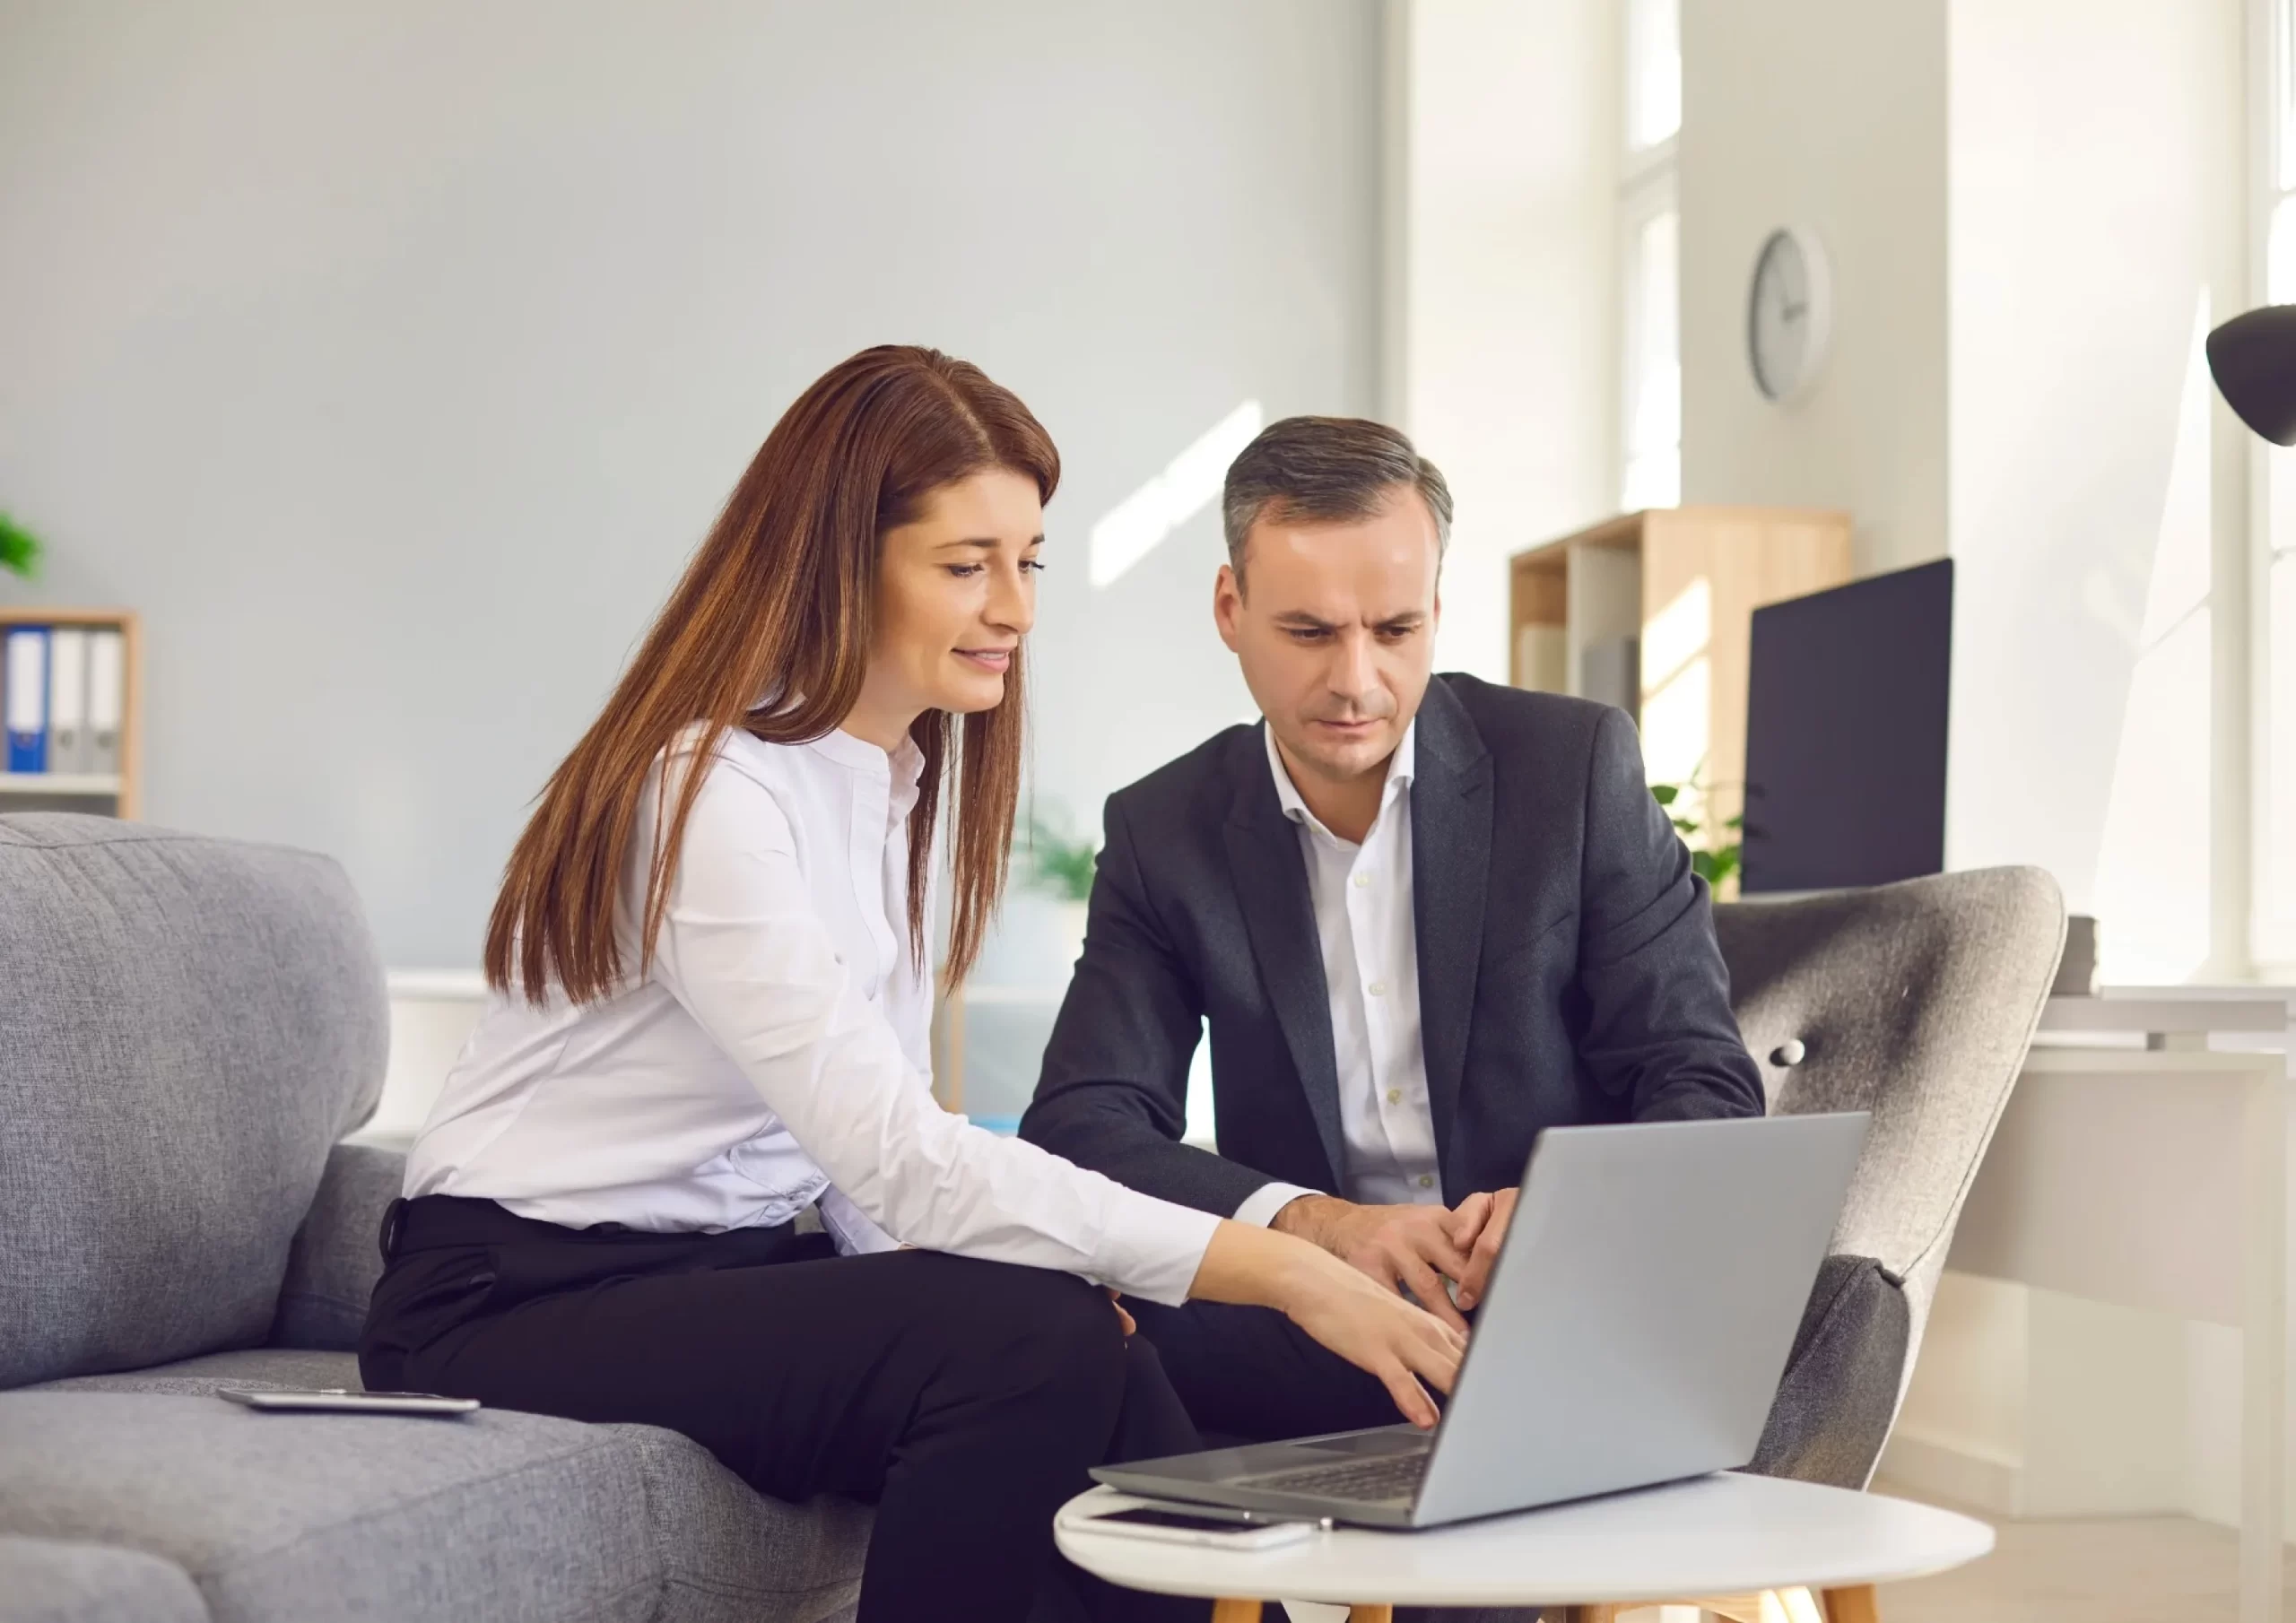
[708, 1029]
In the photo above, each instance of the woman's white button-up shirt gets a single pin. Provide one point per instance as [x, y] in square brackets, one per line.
[774, 1055]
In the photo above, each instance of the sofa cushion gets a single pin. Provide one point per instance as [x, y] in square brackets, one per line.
[272, 1367]
[190, 1024]
[335, 1260]
[49, 1581]
[294, 1517]
[722, 1553]
[731, 1556]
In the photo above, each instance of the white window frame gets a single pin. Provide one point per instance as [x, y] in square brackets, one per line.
[2271, 509]
[1648, 193]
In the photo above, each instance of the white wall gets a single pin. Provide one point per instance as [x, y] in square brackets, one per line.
[1830, 118]
[392, 358]
[2096, 229]
[1504, 282]
[2032, 207]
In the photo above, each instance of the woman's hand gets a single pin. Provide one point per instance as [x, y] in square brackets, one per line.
[1378, 1331]
[1368, 1324]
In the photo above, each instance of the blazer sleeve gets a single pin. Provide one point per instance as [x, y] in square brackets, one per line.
[1113, 1092]
[1659, 1031]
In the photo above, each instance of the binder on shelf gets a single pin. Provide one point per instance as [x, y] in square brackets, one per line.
[106, 702]
[67, 699]
[26, 698]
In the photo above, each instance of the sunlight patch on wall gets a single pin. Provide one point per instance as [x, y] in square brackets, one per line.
[1190, 482]
[2153, 863]
[1677, 634]
[1677, 683]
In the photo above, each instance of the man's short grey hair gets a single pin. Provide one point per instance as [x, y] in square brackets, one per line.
[1327, 470]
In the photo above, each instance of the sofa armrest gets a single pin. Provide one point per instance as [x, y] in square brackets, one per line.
[335, 1261]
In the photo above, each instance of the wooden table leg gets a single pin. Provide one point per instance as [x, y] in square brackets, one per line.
[1370, 1614]
[1235, 1611]
[1852, 1605]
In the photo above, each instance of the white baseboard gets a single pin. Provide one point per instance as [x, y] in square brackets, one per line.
[1934, 1468]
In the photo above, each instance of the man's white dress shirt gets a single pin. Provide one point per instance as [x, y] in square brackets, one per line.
[775, 1055]
[1366, 928]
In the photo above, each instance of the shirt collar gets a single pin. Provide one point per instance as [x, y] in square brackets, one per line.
[902, 767]
[1401, 766]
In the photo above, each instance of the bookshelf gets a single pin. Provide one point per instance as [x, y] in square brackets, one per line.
[109, 793]
[1653, 612]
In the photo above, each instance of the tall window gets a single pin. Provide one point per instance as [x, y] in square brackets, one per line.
[1651, 435]
[2274, 917]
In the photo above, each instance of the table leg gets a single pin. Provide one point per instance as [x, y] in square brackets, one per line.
[1235, 1611]
[2263, 1350]
[1852, 1605]
[1371, 1614]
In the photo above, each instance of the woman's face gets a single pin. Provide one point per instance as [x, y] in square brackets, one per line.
[956, 590]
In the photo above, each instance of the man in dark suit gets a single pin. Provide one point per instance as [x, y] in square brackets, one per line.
[1424, 917]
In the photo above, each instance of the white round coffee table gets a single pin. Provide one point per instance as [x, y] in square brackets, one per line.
[1725, 1538]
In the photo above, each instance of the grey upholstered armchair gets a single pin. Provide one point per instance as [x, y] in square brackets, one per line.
[1916, 1002]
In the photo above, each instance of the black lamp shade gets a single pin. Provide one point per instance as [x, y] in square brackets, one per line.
[2253, 359]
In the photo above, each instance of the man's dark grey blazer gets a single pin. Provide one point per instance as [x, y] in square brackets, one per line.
[1568, 971]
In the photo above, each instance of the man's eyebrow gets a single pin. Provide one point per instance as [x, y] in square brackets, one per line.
[1409, 617]
[1303, 620]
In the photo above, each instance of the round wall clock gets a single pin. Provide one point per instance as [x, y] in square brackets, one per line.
[1789, 313]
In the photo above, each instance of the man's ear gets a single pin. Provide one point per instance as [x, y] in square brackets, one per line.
[1227, 604]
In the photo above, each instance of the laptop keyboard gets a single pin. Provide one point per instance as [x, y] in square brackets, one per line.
[1390, 1477]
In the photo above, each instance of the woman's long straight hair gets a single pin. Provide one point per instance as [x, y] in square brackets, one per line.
[770, 631]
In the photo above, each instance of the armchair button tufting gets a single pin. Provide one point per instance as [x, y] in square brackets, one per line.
[1787, 1053]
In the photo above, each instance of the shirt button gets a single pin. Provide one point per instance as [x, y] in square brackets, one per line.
[1394, 1096]
[1427, 1180]
[1377, 988]
[1362, 880]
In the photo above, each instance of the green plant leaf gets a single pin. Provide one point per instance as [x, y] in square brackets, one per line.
[19, 549]
[1665, 795]
[1057, 865]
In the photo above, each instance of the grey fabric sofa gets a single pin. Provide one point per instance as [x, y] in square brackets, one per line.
[189, 1027]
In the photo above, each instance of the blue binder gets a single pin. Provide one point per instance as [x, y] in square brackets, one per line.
[24, 698]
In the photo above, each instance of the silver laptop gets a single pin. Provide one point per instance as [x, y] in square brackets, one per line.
[1634, 1331]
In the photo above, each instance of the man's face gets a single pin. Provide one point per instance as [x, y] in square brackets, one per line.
[1334, 624]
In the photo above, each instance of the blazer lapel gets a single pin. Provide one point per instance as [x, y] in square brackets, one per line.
[1271, 881]
[1450, 872]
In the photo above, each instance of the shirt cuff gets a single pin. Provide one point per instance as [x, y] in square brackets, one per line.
[1260, 1206]
[1150, 1248]
[849, 1226]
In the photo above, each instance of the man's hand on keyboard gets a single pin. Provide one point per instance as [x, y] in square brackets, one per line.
[1412, 1249]
[1483, 1218]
